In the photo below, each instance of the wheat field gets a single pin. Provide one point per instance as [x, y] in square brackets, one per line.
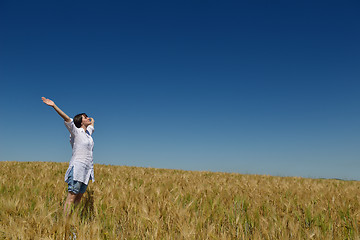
[147, 203]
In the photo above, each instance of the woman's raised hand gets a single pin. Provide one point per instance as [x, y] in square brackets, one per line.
[48, 102]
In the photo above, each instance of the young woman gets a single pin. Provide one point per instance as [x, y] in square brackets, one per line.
[81, 167]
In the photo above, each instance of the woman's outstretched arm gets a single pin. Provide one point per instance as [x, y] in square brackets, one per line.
[57, 109]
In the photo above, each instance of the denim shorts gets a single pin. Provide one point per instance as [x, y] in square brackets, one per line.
[75, 186]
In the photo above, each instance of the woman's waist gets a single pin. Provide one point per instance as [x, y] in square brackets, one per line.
[86, 161]
[82, 154]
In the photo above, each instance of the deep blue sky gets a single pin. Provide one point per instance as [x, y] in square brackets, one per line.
[258, 87]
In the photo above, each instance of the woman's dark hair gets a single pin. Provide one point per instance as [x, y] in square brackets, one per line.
[78, 119]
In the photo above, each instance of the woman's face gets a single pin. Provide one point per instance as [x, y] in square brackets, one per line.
[85, 120]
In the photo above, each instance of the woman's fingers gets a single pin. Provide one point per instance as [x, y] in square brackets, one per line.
[47, 101]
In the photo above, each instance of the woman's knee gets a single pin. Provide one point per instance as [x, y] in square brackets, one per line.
[71, 197]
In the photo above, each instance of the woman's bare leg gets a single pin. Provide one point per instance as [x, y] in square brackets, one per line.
[78, 198]
[68, 203]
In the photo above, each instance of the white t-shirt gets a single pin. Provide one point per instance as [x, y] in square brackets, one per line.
[82, 153]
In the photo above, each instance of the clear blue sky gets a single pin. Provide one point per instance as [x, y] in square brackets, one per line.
[257, 87]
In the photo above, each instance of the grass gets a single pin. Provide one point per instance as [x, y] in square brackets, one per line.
[146, 203]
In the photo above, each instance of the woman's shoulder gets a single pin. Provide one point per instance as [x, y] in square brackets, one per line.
[71, 127]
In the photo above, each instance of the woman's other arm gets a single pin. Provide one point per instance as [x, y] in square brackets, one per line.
[57, 109]
[92, 122]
